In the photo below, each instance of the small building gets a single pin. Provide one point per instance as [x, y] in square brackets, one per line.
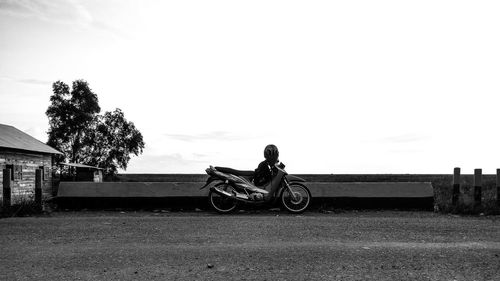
[80, 172]
[24, 154]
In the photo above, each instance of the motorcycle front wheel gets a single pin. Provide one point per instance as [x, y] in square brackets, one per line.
[221, 204]
[297, 198]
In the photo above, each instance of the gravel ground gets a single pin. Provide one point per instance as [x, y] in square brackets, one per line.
[387, 245]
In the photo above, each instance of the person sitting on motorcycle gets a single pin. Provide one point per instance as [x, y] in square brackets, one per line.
[266, 169]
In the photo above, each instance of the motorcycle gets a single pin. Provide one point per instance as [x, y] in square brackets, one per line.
[233, 187]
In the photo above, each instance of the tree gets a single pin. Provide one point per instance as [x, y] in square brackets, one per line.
[83, 136]
[111, 142]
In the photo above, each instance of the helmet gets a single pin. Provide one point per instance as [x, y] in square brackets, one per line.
[271, 153]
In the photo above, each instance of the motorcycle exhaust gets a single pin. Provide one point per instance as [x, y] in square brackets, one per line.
[227, 194]
[255, 198]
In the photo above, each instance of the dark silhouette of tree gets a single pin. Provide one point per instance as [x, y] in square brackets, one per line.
[117, 139]
[77, 130]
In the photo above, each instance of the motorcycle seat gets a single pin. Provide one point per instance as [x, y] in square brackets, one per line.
[235, 172]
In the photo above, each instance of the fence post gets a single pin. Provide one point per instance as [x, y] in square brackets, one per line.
[7, 173]
[456, 186]
[498, 187]
[477, 187]
[38, 189]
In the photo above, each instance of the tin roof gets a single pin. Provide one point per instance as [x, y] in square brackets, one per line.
[11, 137]
[78, 165]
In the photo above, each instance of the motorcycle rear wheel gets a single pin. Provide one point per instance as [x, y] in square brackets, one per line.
[298, 203]
[219, 203]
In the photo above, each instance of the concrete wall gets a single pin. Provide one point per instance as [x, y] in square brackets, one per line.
[187, 195]
[441, 183]
[438, 186]
[192, 189]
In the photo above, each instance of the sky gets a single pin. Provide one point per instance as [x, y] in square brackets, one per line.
[342, 87]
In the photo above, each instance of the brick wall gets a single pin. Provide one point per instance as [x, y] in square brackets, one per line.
[23, 186]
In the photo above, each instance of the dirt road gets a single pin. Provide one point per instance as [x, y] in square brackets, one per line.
[268, 246]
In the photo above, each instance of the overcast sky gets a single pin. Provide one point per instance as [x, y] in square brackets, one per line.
[338, 86]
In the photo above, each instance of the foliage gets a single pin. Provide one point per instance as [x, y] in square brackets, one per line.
[115, 140]
[84, 136]
[70, 114]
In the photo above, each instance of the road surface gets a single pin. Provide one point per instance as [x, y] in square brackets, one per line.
[385, 245]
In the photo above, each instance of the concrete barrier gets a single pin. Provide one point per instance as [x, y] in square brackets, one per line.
[451, 193]
[192, 189]
[130, 189]
[371, 189]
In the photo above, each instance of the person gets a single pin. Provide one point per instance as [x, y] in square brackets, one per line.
[266, 169]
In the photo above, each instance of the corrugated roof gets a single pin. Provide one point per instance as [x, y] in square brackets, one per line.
[11, 137]
[78, 165]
